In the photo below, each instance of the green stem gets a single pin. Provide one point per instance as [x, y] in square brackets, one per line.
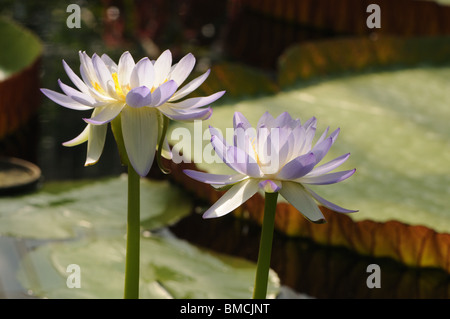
[133, 236]
[265, 246]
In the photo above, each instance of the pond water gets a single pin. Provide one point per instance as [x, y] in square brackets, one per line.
[303, 266]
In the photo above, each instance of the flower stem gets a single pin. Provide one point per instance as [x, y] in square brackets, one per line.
[265, 246]
[133, 236]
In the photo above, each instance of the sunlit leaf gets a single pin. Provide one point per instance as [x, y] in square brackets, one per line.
[395, 125]
[170, 268]
[89, 208]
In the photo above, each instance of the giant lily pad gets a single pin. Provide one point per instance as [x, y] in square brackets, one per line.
[19, 73]
[63, 210]
[170, 268]
[394, 122]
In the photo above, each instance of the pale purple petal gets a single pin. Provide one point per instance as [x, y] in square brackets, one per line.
[328, 204]
[240, 120]
[311, 123]
[329, 166]
[326, 179]
[197, 102]
[214, 178]
[266, 120]
[284, 119]
[221, 149]
[190, 87]
[163, 92]
[139, 97]
[241, 162]
[298, 167]
[323, 136]
[321, 149]
[77, 95]
[233, 198]
[186, 115]
[270, 186]
[297, 196]
[64, 100]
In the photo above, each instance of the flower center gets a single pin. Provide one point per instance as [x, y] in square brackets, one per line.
[155, 87]
[256, 153]
[117, 86]
[98, 88]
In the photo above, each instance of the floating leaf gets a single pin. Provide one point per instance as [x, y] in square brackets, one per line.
[170, 268]
[395, 125]
[89, 207]
[19, 73]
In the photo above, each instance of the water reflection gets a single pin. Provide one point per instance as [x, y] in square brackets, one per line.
[315, 270]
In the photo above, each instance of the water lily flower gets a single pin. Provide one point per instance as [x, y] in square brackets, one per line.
[277, 157]
[140, 94]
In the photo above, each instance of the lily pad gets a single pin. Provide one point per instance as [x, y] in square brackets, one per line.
[20, 48]
[395, 125]
[394, 122]
[170, 268]
[63, 210]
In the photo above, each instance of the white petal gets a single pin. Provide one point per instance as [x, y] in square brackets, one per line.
[105, 114]
[162, 67]
[103, 75]
[110, 64]
[233, 198]
[182, 69]
[75, 79]
[190, 87]
[140, 135]
[87, 69]
[125, 67]
[297, 196]
[96, 142]
[143, 74]
[83, 137]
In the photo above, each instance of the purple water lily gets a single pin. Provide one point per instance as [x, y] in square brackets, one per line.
[277, 156]
[141, 93]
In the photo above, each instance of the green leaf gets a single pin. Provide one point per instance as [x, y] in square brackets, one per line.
[92, 207]
[170, 268]
[394, 124]
[19, 46]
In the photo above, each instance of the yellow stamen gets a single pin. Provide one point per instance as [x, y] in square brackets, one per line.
[97, 87]
[117, 86]
[256, 153]
[154, 88]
